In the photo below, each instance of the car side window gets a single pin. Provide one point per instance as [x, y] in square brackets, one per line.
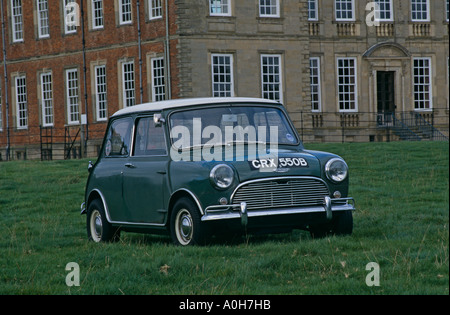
[118, 138]
[150, 140]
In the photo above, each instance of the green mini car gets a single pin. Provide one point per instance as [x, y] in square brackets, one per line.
[198, 167]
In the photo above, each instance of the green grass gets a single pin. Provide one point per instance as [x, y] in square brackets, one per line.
[402, 223]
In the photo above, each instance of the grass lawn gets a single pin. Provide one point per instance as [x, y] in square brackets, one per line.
[401, 223]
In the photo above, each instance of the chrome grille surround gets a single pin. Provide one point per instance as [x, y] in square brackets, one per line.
[281, 192]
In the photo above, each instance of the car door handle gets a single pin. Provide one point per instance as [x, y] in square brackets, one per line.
[161, 172]
[129, 165]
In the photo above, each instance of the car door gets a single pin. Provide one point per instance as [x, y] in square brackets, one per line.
[145, 174]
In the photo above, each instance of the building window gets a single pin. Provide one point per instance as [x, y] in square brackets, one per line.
[43, 21]
[446, 9]
[385, 10]
[158, 79]
[125, 12]
[155, 9]
[222, 75]
[17, 20]
[271, 77]
[422, 83]
[269, 8]
[316, 99]
[97, 14]
[70, 26]
[101, 93]
[72, 96]
[313, 10]
[129, 93]
[219, 7]
[47, 99]
[345, 10]
[420, 10]
[1, 115]
[347, 84]
[21, 102]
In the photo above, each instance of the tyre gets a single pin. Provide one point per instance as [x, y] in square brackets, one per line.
[186, 227]
[341, 224]
[98, 227]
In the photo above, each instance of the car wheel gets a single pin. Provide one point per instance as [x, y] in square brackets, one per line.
[98, 227]
[341, 224]
[186, 227]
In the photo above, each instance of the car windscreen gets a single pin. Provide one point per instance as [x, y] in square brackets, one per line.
[231, 124]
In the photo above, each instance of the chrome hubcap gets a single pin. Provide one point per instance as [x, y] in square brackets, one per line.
[184, 227]
[96, 226]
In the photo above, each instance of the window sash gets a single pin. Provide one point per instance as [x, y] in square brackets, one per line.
[21, 102]
[101, 100]
[47, 99]
[271, 77]
[269, 8]
[347, 84]
[313, 10]
[316, 88]
[155, 9]
[158, 80]
[97, 14]
[68, 29]
[345, 10]
[420, 10]
[125, 12]
[17, 20]
[128, 85]
[222, 75]
[386, 10]
[43, 19]
[219, 8]
[422, 84]
[72, 97]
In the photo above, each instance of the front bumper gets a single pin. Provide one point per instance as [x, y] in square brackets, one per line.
[239, 211]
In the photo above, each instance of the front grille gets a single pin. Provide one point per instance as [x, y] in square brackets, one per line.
[281, 193]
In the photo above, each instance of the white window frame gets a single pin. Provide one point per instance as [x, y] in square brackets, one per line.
[43, 19]
[21, 102]
[345, 102]
[422, 84]
[382, 9]
[128, 85]
[315, 79]
[122, 4]
[98, 18]
[155, 9]
[158, 79]
[267, 78]
[101, 93]
[46, 80]
[343, 19]
[427, 18]
[313, 7]
[220, 87]
[219, 8]
[72, 97]
[274, 4]
[17, 21]
[68, 29]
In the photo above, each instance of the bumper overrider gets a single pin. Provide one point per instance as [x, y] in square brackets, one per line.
[239, 211]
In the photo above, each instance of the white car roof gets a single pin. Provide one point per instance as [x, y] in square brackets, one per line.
[159, 106]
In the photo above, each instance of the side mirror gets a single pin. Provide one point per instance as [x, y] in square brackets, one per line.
[158, 120]
[90, 166]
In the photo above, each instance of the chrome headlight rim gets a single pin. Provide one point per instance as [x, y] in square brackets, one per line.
[332, 177]
[221, 185]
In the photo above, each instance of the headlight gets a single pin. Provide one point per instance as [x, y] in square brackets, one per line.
[336, 170]
[221, 176]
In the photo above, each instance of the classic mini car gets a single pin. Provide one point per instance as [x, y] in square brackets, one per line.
[197, 167]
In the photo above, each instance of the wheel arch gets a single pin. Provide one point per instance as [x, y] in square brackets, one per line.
[180, 193]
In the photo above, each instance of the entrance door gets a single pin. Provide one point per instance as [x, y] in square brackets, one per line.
[386, 96]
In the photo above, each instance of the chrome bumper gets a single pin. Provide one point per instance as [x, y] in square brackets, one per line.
[239, 211]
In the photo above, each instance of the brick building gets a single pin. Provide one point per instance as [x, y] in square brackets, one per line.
[70, 64]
